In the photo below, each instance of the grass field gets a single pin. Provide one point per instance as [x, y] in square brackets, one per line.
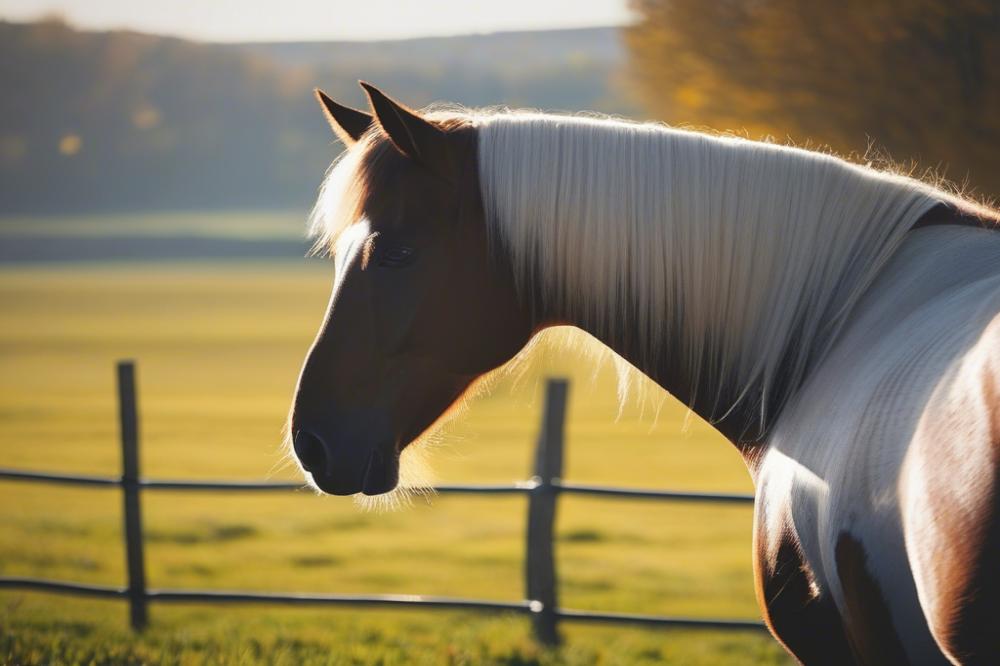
[227, 224]
[218, 351]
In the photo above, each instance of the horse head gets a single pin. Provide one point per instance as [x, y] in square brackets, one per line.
[421, 306]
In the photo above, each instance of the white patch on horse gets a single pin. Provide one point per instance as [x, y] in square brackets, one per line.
[854, 424]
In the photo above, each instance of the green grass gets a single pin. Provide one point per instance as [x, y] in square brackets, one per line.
[218, 351]
[286, 225]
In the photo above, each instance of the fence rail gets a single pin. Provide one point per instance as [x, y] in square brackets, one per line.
[518, 487]
[543, 491]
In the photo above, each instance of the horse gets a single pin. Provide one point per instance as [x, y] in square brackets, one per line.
[838, 323]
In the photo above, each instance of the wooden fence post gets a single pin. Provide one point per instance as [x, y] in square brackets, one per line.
[540, 564]
[134, 560]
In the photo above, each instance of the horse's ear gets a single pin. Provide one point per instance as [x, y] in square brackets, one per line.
[347, 123]
[412, 135]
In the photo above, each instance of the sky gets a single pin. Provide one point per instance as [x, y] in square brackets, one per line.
[292, 20]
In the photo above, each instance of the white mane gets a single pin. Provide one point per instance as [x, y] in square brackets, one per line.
[738, 258]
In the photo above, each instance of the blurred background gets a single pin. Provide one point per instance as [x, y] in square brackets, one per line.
[157, 161]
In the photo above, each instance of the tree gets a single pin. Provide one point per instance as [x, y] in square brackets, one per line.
[918, 78]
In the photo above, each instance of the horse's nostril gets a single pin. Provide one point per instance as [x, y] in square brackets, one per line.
[309, 450]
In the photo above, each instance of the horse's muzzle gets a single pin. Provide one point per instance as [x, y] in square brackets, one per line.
[346, 470]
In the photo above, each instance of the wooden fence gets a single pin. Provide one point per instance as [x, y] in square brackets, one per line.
[543, 490]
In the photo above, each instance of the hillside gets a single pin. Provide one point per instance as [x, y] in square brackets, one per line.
[119, 121]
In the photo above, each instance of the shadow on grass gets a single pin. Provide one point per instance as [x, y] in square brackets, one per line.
[207, 534]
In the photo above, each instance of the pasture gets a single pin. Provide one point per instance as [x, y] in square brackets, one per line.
[218, 348]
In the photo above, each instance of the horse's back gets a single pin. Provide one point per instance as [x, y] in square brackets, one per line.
[907, 401]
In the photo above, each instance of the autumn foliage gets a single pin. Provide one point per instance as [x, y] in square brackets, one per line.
[918, 79]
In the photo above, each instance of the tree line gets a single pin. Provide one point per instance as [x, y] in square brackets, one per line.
[119, 121]
[913, 81]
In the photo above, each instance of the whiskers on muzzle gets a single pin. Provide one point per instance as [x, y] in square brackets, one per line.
[416, 480]
[415, 474]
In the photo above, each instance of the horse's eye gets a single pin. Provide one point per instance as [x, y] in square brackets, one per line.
[396, 255]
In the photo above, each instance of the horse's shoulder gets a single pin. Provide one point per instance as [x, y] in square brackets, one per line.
[967, 404]
[951, 502]
[988, 380]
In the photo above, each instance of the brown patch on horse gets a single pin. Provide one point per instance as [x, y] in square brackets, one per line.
[869, 624]
[798, 613]
[964, 573]
[966, 620]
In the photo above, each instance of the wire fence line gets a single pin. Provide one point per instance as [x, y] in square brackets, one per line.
[542, 490]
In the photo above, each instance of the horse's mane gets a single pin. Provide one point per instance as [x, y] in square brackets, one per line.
[740, 258]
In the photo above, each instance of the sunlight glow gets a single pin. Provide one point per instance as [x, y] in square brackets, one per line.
[301, 20]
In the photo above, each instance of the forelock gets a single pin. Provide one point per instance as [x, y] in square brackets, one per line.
[356, 175]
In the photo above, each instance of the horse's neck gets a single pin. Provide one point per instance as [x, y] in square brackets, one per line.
[734, 411]
[725, 299]
[723, 406]
[930, 264]
[720, 268]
